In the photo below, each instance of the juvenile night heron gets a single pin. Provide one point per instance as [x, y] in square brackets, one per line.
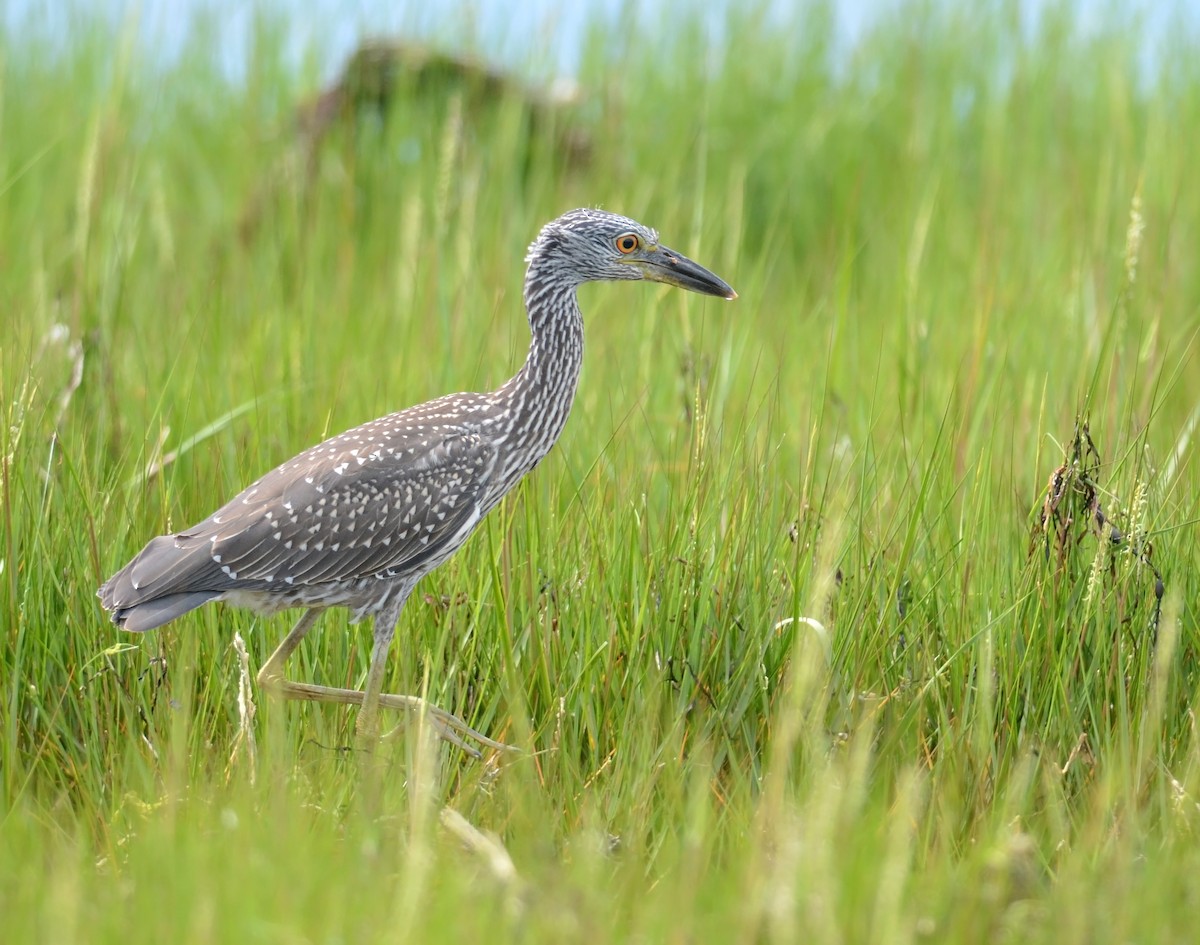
[358, 520]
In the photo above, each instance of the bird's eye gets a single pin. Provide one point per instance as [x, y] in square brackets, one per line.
[627, 243]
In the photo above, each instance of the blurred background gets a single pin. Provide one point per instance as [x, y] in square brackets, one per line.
[538, 33]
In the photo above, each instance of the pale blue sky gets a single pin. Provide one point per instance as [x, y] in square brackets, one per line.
[547, 32]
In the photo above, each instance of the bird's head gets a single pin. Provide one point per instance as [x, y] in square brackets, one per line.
[597, 246]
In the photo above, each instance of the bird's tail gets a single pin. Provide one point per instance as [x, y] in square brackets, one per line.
[157, 586]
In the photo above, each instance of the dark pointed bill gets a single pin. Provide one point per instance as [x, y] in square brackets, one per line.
[666, 265]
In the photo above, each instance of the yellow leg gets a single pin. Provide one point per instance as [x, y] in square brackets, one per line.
[446, 725]
[367, 728]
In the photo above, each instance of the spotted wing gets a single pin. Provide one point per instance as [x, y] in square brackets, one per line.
[340, 515]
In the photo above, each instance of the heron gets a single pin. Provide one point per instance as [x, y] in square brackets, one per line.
[357, 521]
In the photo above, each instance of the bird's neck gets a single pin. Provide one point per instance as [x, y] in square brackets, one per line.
[555, 357]
[540, 394]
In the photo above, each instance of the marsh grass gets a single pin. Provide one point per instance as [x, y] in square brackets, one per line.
[790, 651]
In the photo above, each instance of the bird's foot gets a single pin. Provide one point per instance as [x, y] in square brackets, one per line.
[445, 725]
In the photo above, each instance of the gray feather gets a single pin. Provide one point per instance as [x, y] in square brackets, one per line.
[379, 501]
[158, 611]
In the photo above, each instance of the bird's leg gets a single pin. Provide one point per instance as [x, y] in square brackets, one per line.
[270, 676]
[367, 728]
[446, 725]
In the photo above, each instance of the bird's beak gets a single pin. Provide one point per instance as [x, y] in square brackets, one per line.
[660, 264]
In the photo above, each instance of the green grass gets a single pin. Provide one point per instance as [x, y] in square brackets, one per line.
[949, 247]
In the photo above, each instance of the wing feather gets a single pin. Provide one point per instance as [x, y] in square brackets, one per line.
[390, 498]
[349, 517]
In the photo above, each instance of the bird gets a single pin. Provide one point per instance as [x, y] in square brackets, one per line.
[357, 520]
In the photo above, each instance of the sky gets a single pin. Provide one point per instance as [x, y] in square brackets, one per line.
[550, 33]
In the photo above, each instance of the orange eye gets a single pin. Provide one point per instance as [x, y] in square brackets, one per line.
[627, 243]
